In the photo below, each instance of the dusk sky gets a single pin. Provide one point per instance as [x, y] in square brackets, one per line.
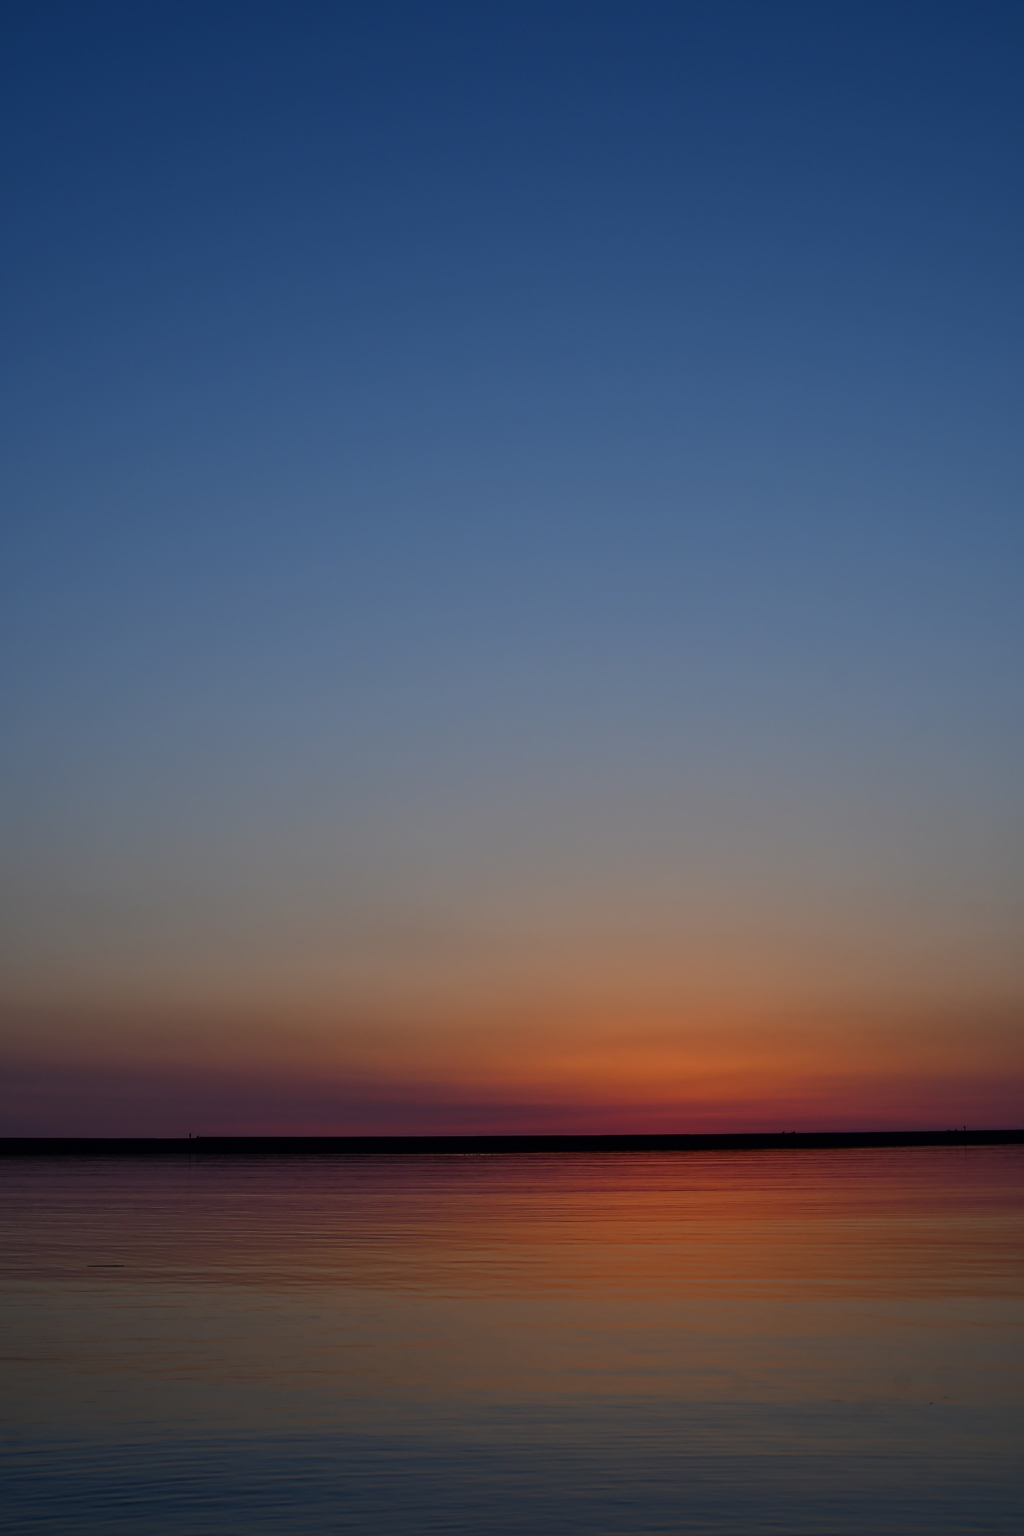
[511, 582]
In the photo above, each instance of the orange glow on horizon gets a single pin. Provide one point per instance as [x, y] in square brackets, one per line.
[518, 1072]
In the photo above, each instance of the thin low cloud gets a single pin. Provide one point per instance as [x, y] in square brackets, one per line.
[47, 1098]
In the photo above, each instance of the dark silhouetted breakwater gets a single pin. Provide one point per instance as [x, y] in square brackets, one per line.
[375, 1146]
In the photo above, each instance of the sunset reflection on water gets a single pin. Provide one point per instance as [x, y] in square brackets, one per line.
[714, 1341]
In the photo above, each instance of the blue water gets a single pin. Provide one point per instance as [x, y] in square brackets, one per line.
[747, 1342]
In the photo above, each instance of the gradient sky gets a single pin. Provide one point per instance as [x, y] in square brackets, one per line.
[511, 583]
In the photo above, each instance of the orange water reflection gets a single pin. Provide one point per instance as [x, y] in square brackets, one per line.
[327, 1291]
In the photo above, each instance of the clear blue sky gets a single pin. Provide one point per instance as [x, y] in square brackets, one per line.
[510, 500]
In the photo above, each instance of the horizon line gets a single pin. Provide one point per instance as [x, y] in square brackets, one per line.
[390, 1145]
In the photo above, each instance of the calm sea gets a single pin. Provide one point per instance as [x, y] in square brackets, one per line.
[789, 1341]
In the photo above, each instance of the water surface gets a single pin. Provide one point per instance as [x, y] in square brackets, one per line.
[780, 1341]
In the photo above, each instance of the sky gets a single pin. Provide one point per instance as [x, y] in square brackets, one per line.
[510, 583]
